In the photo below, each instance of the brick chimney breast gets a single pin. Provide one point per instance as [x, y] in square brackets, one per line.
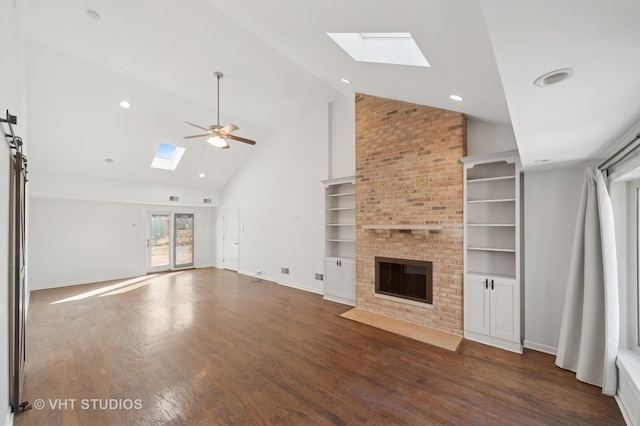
[408, 173]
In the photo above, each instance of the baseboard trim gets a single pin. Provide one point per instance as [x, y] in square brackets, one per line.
[540, 347]
[299, 287]
[493, 341]
[280, 282]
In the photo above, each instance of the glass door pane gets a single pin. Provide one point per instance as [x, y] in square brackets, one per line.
[183, 238]
[159, 242]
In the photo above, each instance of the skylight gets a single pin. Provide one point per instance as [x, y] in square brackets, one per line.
[384, 48]
[167, 157]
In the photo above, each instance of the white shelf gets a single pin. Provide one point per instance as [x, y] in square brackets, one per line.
[503, 200]
[491, 179]
[492, 224]
[504, 250]
[484, 274]
[342, 194]
[340, 218]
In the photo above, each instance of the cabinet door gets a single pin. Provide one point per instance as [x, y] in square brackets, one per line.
[476, 305]
[331, 276]
[505, 316]
[347, 279]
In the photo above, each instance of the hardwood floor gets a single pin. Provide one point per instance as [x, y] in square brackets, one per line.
[211, 347]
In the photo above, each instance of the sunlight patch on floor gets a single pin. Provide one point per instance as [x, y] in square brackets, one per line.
[118, 288]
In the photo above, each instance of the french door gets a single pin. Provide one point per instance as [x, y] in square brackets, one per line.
[169, 241]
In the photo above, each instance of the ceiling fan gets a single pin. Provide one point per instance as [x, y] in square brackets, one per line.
[217, 134]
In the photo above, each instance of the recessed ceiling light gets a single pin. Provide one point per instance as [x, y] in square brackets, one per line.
[345, 80]
[553, 77]
[108, 160]
[544, 160]
[93, 15]
[125, 104]
[202, 175]
[456, 98]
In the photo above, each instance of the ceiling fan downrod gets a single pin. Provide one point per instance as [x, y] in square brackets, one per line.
[218, 75]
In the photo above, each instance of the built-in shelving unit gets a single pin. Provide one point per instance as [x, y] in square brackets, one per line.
[340, 239]
[492, 301]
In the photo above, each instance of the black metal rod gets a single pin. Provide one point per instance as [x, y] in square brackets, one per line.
[612, 161]
[10, 120]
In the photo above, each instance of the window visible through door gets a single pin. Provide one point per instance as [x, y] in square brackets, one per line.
[183, 237]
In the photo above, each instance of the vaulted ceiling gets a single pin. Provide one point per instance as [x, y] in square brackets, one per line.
[160, 55]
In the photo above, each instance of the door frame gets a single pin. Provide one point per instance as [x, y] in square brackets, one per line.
[148, 266]
[174, 252]
[172, 246]
[226, 236]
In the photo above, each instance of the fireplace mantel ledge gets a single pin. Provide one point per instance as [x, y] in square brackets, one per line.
[415, 229]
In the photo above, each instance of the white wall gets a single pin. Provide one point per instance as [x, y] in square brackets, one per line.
[484, 138]
[77, 241]
[342, 138]
[551, 200]
[73, 187]
[12, 94]
[281, 203]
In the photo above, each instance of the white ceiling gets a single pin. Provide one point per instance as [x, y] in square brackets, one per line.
[278, 61]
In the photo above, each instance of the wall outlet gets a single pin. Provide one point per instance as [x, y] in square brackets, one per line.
[319, 277]
[284, 271]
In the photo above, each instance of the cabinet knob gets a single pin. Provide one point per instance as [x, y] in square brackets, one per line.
[491, 284]
[486, 283]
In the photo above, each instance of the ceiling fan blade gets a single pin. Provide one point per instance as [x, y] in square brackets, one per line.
[195, 125]
[230, 128]
[196, 136]
[238, 138]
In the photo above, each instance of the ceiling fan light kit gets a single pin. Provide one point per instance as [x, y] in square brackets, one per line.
[217, 135]
[218, 142]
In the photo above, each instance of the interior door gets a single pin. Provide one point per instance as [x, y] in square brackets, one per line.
[159, 242]
[183, 240]
[231, 239]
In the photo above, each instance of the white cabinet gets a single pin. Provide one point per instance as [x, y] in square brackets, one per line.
[490, 311]
[339, 280]
[340, 240]
[492, 293]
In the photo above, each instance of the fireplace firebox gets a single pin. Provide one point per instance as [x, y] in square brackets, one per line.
[407, 279]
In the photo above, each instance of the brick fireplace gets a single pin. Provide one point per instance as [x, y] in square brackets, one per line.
[409, 205]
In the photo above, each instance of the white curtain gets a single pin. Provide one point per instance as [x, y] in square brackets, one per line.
[590, 328]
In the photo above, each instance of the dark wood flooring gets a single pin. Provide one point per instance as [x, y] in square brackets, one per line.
[211, 347]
